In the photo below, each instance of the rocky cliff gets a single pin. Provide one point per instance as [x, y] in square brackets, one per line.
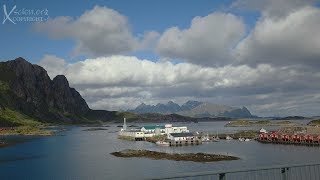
[27, 88]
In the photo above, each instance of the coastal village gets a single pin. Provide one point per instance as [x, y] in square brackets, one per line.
[169, 135]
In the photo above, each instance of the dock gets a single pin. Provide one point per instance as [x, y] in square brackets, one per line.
[185, 142]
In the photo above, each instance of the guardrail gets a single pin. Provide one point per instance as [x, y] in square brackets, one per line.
[283, 172]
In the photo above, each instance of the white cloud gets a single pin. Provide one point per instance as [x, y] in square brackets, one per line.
[273, 70]
[122, 82]
[272, 8]
[290, 40]
[53, 65]
[208, 41]
[99, 31]
[131, 72]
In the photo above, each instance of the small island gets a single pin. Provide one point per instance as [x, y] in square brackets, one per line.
[248, 123]
[194, 157]
[249, 134]
[95, 129]
[315, 122]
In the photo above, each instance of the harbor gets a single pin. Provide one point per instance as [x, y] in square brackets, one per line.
[96, 146]
[167, 135]
[170, 135]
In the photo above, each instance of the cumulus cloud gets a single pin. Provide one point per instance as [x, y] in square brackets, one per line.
[270, 68]
[290, 40]
[123, 82]
[208, 40]
[53, 65]
[99, 31]
[286, 34]
[272, 8]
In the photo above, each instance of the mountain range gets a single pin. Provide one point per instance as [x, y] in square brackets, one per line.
[28, 96]
[194, 109]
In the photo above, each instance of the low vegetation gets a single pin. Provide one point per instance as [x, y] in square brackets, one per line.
[16, 123]
[9, 118]
[315, 122]
[250, 134]
[26, 131]
[247, 123]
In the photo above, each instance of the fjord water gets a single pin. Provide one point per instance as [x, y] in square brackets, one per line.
[86, 155]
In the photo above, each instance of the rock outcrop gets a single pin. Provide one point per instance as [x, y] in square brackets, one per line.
[32, 92]
[194, 157]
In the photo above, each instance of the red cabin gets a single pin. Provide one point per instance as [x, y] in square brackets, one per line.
[295, 137]
[279, 136]
[273, 136]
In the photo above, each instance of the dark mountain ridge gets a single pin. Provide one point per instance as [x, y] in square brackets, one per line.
[27, 88]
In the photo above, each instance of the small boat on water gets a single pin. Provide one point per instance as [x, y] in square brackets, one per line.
[263, 130]
[244, 139]
[205, 138]
[229, 138]
[215, 138]
[162, 143]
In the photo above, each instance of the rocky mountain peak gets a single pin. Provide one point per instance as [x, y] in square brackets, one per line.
[194, 109]
[61, 81]
[35, 94]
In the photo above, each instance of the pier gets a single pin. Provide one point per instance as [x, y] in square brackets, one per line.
[185, 142]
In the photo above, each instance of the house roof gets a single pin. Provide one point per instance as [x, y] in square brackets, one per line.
[181, 134]
[154, 127]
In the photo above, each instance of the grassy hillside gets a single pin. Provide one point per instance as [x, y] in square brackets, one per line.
[9, 117]
[130, 117]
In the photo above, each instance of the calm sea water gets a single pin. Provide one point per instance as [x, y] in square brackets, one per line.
[86, 155]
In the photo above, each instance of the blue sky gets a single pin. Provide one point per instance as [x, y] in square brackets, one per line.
[143, 15]
[119, 53]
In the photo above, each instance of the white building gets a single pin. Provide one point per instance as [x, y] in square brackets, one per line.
[150, 131]
[153, 129]
[181, 136]
[134, 134]
[170, 129]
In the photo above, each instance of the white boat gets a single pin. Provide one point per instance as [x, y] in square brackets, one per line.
[263, 130]
[229, 138]
[205, 138]
[241, 139]
[247, 140]
[215, 139]
[162, 143]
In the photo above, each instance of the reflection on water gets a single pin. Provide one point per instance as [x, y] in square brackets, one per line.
[86, 155]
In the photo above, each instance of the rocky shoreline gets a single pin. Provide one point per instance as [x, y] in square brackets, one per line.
[194, 157]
